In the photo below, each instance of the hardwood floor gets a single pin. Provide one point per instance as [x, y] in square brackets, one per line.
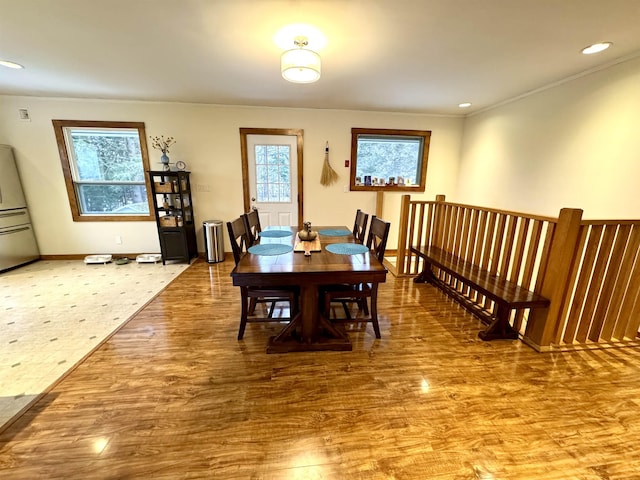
[174, 395]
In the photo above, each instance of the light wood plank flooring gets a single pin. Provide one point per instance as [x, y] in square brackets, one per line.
[173, 395]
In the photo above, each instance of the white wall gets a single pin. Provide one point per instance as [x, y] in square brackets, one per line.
[574, 145]
[208, 141]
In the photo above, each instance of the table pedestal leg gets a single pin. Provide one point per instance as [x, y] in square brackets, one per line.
[317, 333]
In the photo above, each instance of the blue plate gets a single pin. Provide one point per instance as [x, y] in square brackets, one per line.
[275, 234]
[270, 249]
[347, 248]
[335, 232]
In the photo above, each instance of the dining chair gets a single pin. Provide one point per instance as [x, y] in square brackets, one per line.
[253, 228]
[344, 293]
[252, 224]
[250, 296]
[360, 226]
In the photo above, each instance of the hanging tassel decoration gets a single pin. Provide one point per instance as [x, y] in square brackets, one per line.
[329, 175]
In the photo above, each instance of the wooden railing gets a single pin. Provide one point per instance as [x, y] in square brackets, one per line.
[590, 270]
[600, 303]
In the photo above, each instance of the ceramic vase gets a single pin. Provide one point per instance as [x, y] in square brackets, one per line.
[164, 159]
[306, 234]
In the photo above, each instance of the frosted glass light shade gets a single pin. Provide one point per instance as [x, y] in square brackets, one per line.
[300, 65]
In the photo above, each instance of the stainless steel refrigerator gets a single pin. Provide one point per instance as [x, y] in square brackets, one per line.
[17, 241]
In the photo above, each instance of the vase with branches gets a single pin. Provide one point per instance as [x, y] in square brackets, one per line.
[161, 143]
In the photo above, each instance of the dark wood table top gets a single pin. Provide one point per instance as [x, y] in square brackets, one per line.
[319, 268]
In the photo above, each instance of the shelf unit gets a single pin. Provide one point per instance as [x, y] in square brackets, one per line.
[173, 208]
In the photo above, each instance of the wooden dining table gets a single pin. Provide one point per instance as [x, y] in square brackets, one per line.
[310, 329]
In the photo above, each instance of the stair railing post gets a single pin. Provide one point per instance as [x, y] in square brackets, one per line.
[403, 244]
[543, 323]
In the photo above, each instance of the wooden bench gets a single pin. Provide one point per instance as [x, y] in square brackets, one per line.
[507, 295]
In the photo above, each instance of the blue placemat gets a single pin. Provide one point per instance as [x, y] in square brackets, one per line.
[335, 232]
[270, 249]
[346, 248]
[275, 233]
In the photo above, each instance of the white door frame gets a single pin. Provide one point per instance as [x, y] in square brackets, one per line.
[245, 162]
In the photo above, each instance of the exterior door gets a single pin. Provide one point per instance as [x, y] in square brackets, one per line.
[273, 178]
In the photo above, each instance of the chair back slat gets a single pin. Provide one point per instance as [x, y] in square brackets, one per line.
[378, 235]
[238, 237]
[360, 226]
[252, 225]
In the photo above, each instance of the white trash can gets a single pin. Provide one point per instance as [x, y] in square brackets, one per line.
[213, 240]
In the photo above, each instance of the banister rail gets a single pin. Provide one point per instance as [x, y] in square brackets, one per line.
[603, 304]
[589, 269]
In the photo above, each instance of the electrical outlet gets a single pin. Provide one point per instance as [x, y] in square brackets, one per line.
[202, 188]
[118, 239]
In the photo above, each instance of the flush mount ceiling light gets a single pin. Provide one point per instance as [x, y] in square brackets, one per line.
[464, 105]
[300, 65]
[8, 64]
[596, 48]
[285, 35]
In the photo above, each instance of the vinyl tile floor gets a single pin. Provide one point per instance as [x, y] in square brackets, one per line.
[54, 313]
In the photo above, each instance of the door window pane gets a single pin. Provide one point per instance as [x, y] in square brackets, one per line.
[262, 192]
[273, 173]
[285, 192]
[261, 174]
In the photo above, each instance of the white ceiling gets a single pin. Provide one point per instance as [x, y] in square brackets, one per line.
[422, 56]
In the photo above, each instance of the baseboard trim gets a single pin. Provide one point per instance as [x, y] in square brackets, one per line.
[80, 256]
[131, 256]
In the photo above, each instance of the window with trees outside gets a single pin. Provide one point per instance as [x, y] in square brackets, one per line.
[273, 173]
[389, 160]
[104, 165]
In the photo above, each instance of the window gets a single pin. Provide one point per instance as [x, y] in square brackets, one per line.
[389, 160]
[273, 173]
[104, 166]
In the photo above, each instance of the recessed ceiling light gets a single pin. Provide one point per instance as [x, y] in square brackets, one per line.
[6, 63]
[596, 48]
[464, 105]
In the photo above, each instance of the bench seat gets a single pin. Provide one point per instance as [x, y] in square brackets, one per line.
[507, 295]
